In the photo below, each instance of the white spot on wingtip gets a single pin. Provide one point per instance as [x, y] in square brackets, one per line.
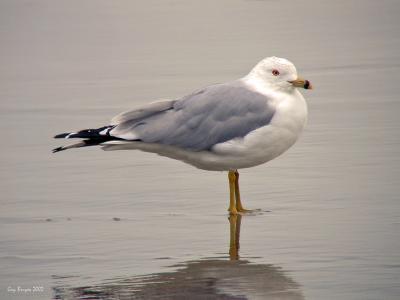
[67, 137]
[104, 132]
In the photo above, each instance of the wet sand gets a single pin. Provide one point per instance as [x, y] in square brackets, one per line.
[132, 224]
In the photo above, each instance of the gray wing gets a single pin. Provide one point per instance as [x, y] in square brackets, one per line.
[142, 112]
[197, 122]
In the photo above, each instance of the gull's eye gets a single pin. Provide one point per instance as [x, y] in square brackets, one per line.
[275, 72]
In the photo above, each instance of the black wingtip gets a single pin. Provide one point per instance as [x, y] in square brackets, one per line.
[58, 149]
[61, 135]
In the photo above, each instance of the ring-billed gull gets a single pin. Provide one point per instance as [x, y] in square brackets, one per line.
[223, 127]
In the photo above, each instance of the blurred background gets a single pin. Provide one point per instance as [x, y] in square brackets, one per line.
[132, 225]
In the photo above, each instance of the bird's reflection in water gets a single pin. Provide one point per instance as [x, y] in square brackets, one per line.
[210, 278]
[235, 222]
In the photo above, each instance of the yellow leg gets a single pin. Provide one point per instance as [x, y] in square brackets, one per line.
[232, 205]
[239, 206]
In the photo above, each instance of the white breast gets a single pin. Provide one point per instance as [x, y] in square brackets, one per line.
[291, 113]
[269, 141]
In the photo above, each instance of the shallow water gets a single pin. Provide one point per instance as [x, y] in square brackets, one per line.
[123, 225]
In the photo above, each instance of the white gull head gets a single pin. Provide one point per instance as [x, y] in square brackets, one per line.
[277, 73]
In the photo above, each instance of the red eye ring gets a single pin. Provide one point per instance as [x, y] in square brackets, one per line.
[275, 72]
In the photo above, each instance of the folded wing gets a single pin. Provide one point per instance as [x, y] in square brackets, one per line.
[198, 121]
